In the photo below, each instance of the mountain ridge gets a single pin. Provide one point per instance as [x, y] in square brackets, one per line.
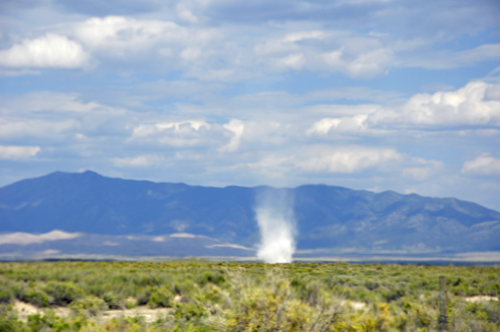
[327, 217]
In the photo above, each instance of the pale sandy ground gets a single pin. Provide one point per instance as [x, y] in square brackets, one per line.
[25, 309]
[150, 315]
[481, 298]
[355, 305]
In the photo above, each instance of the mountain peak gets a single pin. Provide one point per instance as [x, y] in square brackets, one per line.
[326, 216]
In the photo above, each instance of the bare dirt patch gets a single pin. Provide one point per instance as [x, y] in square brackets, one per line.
[26, 309]
[481, 298]
[150, 315]
[355, 304]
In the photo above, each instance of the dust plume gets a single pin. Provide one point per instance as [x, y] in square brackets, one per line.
[275, 216]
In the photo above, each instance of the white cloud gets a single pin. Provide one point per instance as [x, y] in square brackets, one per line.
[478, 103]
[119, 32]
[229, 245]
[358, 56]
[185, 14]
[369, 64]
[324, 159]
[56, 116]
[184, 235]
[482, 165]
[467, 105]
[16, 128]
[447, 60]
[294, 61]
[422, 169]
[236, 127]
[365, 64]
[324, 126]
[18, 152]
[122, 37]
[139, 161]
[21, 238]
[480, 53]
[53, 102]
[179, 134]
[288, 42]
[144, 130]
[190, 54]
[49, 51]
[345, 159]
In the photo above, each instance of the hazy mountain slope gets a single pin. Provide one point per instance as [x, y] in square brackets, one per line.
[326, 216]
[346, 218]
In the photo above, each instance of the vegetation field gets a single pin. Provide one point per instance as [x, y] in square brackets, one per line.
[205, 296]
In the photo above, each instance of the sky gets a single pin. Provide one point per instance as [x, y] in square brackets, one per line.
[366, 94]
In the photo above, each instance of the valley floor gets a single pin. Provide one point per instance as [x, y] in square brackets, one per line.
[204, 296]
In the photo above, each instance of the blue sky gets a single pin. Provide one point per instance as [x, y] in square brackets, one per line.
[367, 94]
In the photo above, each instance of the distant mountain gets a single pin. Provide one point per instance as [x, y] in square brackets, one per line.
[329, 219]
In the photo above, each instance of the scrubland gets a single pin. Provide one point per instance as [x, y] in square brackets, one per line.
[207, 296]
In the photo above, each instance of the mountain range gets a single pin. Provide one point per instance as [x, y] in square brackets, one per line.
[87, 213]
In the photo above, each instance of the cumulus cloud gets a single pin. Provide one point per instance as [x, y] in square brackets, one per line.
[22, 128]
[348, 44]
[325, 159]
[422, 169]
[21, 238]
[476, 104]
[49, 51]
[55, 116]
[139, 161]
[355, 123]
[364, 64]
[117, 32]
[18, 152]
[171, 45]
[334, 51]
[144, 130]
[345, 159]
[236, 128]
[295, 61]
[287, 42]
[54, 102]
[485, 164]
[190, 54]
[448, 59]
[178, 134]
[185, 13]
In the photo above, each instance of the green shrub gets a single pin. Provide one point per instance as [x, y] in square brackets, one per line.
[63, 293]
[9, 321]
[35, 296]
[144, 295]
[160, 297]
[6, 296]
[90, 304]
[111, 300]
[371, 285]
[231, 296]
[216, 278]
[189, 311]
[393, 294]
[130, 303]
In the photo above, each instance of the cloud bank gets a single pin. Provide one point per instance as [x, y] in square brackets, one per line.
[21, 238]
